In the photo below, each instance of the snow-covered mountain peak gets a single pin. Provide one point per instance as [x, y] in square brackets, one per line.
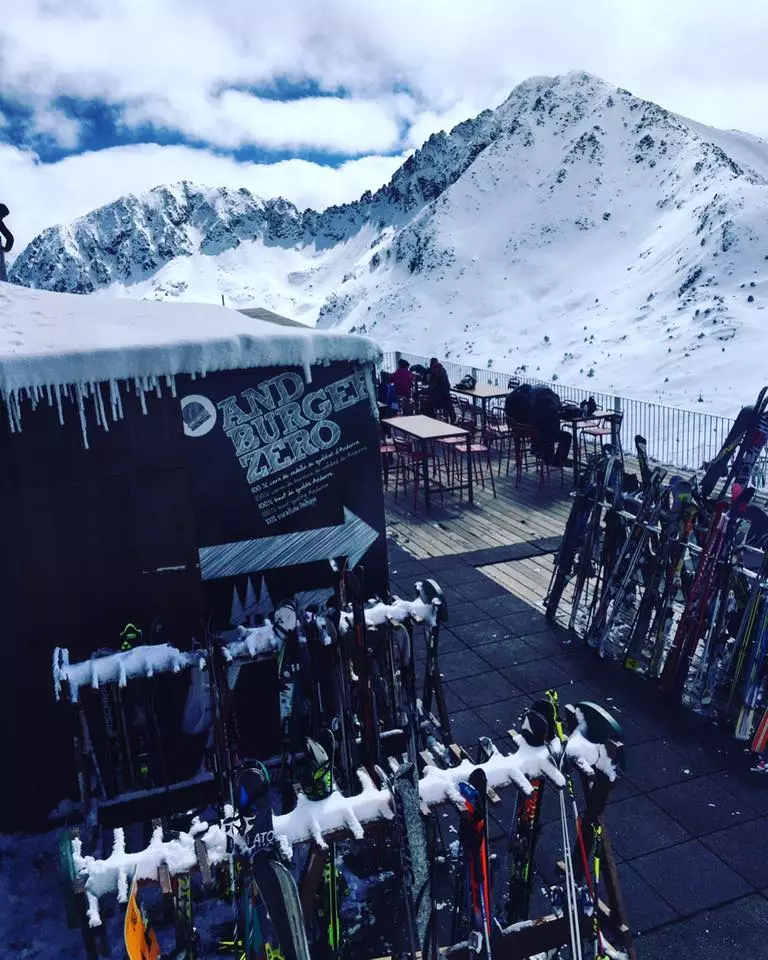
[576, 232]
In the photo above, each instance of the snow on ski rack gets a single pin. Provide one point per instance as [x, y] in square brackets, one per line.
[310, 820]
[179, 855]
[149, 660]
[63, 349]
[119, 667]
[398, 611]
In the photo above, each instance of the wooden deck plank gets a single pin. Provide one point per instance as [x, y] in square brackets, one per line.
[515, 515]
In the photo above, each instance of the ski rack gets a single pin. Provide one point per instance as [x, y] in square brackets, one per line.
[333, 818]
[117, 670]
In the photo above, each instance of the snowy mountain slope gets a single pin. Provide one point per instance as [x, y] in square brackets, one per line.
[597, 233]
[576, 232]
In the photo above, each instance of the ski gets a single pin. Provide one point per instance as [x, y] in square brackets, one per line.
[536, 730]
[715, 553]
[655, 577]
[627, 560]
[584, 502]
[401, 849]
[641, 448]
[321, 773]
[473, 834]
[367, 714]
[405, 785]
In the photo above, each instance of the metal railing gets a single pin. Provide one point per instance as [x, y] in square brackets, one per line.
[683, 439]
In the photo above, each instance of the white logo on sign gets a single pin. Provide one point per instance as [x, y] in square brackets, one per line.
[198, 414]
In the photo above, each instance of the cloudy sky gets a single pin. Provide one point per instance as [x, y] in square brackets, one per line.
[318, 100]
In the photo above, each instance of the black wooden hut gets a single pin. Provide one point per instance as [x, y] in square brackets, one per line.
[165, 464]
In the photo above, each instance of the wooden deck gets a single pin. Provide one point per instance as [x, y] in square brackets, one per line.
[522, 515]
[515, 515]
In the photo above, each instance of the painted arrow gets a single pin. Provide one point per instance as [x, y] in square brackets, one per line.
[351, 539]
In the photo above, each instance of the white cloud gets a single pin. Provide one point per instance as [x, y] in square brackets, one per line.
[702, 58]
[52, 123]
[329, 124]
[170, 60]
[40, 195]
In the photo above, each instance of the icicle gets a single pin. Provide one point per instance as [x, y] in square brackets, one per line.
[99, 422]
[307, 366]
[101, 408]
[94, 676]
[117, 400]
[48, 394]
[158, 388]
[60, 412]
[16, 408]
[8, 398]
[170, 380]
[81, 410]
[142, 398]
[122, 675]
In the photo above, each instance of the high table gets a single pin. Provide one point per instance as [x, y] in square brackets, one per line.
[483, 392]
[425, 429]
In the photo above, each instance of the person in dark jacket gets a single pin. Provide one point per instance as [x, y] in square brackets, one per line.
[519, 405]
[555, 443]
[439, 391]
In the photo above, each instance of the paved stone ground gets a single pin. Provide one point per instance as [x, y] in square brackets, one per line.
[688, 821]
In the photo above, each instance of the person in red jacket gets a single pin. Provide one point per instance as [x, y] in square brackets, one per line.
[402, 380]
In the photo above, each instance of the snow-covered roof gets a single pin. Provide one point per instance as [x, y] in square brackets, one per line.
[61, 339]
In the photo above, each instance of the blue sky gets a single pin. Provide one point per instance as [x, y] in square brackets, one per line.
[319, 100]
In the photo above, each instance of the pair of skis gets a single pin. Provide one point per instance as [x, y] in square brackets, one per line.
[270, 921]
[582, 531]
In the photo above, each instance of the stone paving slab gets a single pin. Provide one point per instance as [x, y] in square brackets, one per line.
[736, 931]
[688, 821]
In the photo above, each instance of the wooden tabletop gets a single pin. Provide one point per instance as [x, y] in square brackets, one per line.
[425, 428]
[483, 391]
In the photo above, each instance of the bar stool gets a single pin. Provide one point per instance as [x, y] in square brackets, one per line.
[596, 434]
[408, 459]
[476, 452]
[387, 449]
[497, 434]
[525, 439]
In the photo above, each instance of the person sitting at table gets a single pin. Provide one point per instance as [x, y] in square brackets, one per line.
[545, 416]
[387, 397]
[438, 399]
[402, 380]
